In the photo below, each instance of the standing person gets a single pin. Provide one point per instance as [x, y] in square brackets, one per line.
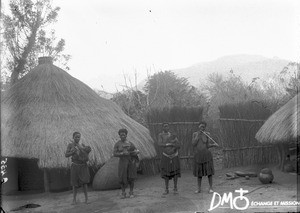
[170, 164]
[203, 160]
[80, 174]
[127, 169]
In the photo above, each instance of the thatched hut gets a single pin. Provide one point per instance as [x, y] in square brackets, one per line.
[282, 128]
[42, 110]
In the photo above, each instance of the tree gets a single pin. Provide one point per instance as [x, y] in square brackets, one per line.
[292, 83]
[271, 93]
[165, 89]
[283, 86]
[229, 90]
[133, 103]
[26, 36]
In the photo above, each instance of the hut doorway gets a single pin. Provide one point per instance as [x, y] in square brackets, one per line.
[24, 175]
[30, 177]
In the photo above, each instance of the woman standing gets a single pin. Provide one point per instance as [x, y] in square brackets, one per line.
[170, 164]
[203, 160]
[127, 170]
[80, 174]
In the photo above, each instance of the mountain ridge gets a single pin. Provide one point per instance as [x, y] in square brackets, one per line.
[245, 65]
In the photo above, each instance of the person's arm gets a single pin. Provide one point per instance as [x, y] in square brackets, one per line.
[118, 153]
[85, 148]
[160, 141]
[135, 151]
[70, 151]
[195, 139]
[175, 143]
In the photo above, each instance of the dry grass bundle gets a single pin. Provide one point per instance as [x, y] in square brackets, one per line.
[175, 114]
[42, 110]
[283, 125]
[246, 110]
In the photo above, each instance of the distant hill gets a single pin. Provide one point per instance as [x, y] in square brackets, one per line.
[247, 66]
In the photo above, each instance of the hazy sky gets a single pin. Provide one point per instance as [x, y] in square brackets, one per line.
[112, 38]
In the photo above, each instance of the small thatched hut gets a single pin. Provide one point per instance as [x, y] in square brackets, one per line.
[282, 128]
[42, 110]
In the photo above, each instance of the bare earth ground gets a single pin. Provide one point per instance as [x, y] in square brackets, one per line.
[149, 197]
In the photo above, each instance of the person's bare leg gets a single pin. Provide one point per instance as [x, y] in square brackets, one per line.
[74, 195]
[167, 186]
[175, 184]
[85, 192]
[210, 183]
[131, 185]
[199, 180]
[123, 187]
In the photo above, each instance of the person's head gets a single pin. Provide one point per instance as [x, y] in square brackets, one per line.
[202, 125]
[76, 137]
[166, 127]
[123, 134]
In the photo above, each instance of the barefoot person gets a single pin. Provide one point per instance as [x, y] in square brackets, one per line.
[127, 170]
[80, 174]
[203, 160]
[170, 164]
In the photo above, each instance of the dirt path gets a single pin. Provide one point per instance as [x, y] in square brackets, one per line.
[149, 197]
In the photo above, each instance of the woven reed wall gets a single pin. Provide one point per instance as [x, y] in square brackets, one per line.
[238, 125]
[182, 122]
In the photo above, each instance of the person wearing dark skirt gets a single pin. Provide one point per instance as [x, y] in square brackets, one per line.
[80, 175]
[170, 163]
[128, 159]
[203, 159]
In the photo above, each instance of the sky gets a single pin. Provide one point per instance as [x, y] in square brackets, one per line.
[110, 40]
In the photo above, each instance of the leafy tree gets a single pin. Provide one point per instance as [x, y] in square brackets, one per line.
[292, 83]
[229, 90]
[26, 36]
[133, 103]
[281, 87]
[272, 93]
[165, 89]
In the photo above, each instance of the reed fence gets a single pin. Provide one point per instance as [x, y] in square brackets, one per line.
[238, 125]
[182, 122]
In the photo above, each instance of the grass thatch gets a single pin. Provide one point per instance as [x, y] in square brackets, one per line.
[245, 110]
[175, 114]
[283, 125]
[42, 110]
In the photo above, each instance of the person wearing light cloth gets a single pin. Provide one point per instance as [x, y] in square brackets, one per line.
[203, 160]
[128, 159]
[170, 164]
[80, 175]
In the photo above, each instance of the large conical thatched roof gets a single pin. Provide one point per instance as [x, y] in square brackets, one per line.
[42, 110]
[283, 125]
